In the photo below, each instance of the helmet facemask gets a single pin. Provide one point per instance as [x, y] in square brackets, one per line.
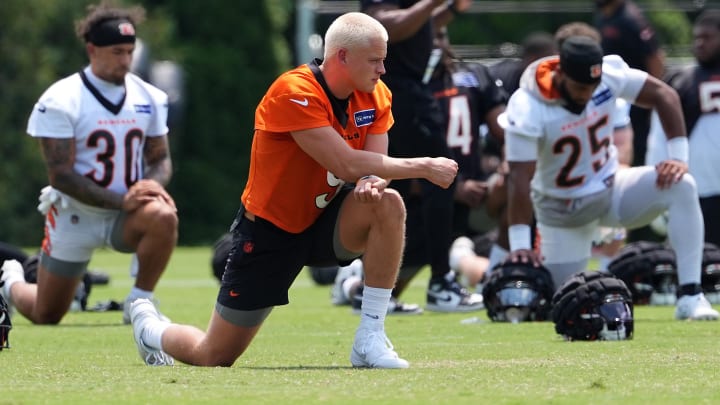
[616, 317]
[516, 302]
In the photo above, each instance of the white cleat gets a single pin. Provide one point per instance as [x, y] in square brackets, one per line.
[143, 312]
[373, 349]
[11, 269]
[696, 308]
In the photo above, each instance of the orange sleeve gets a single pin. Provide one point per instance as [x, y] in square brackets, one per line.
[294, 102]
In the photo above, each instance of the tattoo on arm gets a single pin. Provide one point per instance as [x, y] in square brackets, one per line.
[157, 159]
[59, 155]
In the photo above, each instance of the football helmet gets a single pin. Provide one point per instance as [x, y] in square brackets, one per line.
[221, 251]
[710, 276]
[5, 324]
[593, 305]
[648, 269]
[518, 292]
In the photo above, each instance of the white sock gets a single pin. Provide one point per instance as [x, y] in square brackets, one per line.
[136, 293]
[374, 307]
[152, 335]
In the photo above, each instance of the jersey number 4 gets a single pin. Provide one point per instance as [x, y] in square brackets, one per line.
[459, 132]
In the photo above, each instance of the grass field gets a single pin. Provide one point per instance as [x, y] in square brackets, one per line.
[302, 355]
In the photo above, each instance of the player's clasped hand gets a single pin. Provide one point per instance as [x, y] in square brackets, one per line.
[443, 171]
[370, 189]
[143, 192]
[670, 172]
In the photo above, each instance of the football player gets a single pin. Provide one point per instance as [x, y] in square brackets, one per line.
[103, 136]
[564, 167]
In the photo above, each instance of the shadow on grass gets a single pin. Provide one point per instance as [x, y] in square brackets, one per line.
[301, 368]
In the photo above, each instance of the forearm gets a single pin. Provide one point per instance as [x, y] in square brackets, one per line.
[401, 24]
[659, 96]
[158, 165]
[85, 190]
[364, 163]
[519, 216]
[671, 117]
[59, 156]
[518, 197]
[159, 171]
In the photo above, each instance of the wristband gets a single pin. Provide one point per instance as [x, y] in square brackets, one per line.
[519, 237]
[368, 177]
[678, 148]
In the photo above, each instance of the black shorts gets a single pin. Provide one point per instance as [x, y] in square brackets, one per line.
[265, 260]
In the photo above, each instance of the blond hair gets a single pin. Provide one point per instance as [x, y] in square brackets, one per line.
[352, 30]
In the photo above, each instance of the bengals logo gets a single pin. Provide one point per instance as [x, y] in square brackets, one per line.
[595, 71]
[126, 29]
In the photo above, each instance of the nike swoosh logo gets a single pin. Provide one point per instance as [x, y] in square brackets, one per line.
[42, 108]
[2, 318]
[371, 316]
[234, 294]
[304, 102]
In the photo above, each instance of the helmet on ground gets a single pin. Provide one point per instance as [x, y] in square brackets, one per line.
[221, 251]
[5, 324]
[710, 275]
[593, 305]
[649, 271]
[517, 292]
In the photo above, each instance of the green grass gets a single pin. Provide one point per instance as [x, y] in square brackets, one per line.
[302, 355]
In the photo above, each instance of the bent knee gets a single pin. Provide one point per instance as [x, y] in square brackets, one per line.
[220, 359]
[392, 204]
[47, 318]
[158, 213]
[688, 184]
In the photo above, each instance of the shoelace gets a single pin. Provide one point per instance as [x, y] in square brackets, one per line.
[380, 336]
[156, 359]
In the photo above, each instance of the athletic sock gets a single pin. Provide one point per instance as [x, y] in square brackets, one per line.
[374, 307]
[152, 335]
[136, 293]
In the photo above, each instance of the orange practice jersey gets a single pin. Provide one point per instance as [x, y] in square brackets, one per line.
[285, 185]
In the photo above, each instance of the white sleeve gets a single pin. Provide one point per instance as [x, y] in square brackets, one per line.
[522, 114]
[626, 81]
[158, 125]
[52, 115]
[520, 148]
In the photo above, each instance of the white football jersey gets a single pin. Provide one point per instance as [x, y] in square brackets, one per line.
[575, 155]
[108, 146]
[699, 91]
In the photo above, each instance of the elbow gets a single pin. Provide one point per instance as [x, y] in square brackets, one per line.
[348, 173]
[59, 179]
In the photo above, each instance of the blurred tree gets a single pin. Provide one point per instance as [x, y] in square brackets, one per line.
[229, 51]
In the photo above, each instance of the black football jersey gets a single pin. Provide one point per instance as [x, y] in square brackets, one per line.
[466, 92]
